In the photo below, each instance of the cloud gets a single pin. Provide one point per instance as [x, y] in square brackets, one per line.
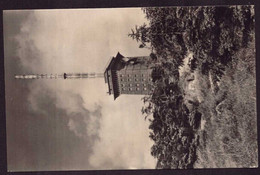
[124, 140]
[36, 58]
[45, 101]
[40, 138]
[103, 129]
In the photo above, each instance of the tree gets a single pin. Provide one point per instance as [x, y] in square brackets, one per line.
[214, 35]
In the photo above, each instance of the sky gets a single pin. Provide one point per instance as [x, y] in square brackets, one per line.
[71, 124]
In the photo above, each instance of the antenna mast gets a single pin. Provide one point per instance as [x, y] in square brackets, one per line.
[60, 76]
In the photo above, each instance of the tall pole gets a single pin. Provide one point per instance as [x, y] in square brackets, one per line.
[61, 76]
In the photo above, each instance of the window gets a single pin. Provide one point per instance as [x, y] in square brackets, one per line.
[123, 89]
[122, 79]
[135, 75]
[120, 75]
[130, 85]
[136, 79]
[150, 79]
[130, 89]
[143, 79]
[129, 79]
[138, 89]
[129, 75]
[122, 85]
[144, 84]
[137, 84]
[145, 88]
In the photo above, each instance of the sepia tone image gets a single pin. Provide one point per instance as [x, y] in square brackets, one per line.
[130, 88]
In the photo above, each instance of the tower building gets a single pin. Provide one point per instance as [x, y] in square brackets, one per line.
[128, 75]
[123, 75]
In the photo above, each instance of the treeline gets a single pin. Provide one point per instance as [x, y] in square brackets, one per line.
[173, 126]
[213, 35]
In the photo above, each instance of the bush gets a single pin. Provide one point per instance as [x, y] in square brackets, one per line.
[231, 131]
[215, 41]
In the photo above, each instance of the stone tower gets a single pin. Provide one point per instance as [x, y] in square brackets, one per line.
[128, 75]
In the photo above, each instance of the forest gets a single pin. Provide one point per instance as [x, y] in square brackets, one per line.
[202, 109]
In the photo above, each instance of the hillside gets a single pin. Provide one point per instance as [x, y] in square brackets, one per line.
[229, 137]
[203, 105]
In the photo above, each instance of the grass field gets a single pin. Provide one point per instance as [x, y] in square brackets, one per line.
[229, 137]
[203, 105]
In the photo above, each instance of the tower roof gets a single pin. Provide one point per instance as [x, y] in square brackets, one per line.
[111, 76]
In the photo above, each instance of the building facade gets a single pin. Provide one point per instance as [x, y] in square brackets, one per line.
[128, 75]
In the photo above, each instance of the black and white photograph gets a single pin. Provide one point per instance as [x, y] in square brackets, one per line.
[130, 88]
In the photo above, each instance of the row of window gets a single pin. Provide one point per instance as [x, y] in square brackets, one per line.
[137, 84]
[131, 89]
[136, 79]
[130, 75]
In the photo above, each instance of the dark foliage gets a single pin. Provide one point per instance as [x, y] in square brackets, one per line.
[214, 35]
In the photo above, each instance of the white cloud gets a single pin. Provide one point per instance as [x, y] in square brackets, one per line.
[58, 41]
[73, 127]
[124, 137]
